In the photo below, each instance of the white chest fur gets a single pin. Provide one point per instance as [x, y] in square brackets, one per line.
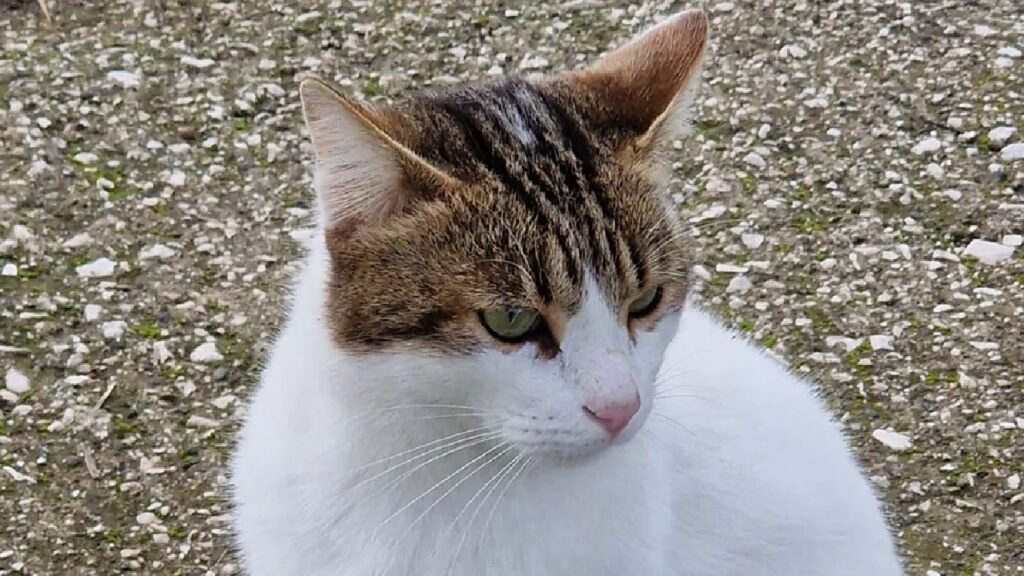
[738, 470]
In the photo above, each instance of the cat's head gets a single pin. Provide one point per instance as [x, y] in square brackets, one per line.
[511, 248]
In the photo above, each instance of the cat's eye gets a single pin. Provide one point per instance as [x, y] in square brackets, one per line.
[511, 324]
[645, 303]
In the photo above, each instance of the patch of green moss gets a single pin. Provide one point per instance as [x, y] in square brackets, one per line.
[125, 427]
[703, 127]
[28, 272]
[811, 224]
[114, 535]
[372, 87]
[177, 531]
[146, 329]
[172, 372]
[749, 184]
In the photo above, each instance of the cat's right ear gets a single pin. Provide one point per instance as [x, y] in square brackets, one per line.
[364, 174]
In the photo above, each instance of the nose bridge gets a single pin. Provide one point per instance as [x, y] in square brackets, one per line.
[606, 377]
[596, 351]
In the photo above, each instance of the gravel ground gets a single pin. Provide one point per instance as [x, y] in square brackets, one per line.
[856, 185]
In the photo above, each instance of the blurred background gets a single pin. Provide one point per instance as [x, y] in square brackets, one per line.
[855, 185]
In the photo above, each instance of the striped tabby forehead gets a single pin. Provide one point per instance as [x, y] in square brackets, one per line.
[545, 201]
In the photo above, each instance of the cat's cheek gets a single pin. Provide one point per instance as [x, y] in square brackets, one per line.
[650, 345]
[514, 382]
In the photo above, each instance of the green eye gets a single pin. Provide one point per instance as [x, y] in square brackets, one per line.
[511, 323]
[645, 303]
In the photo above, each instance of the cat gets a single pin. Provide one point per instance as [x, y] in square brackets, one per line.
[492, 365]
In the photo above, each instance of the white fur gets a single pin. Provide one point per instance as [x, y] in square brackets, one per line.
[736, 470]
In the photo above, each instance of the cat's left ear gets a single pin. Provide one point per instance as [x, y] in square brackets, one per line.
[364, 173]
[647, 86]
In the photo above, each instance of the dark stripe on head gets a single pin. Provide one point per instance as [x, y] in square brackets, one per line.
[580, 144]
[480, 146]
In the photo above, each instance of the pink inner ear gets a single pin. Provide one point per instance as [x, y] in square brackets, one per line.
[364, 173]
[641, 80]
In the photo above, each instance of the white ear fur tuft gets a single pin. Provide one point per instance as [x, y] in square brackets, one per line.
[358, 178]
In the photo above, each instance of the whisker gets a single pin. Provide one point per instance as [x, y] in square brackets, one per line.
[497, 501]
[418, 407]
[415, 449]
[674, 421]
[452, 447]
[658, 397]
[442, 416]
[496, 479]
[443, 496]
[497, 476]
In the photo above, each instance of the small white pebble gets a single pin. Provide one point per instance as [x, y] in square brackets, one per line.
[1013, 152]
[984, 346]
[124, 78]
[114, 329]
[988, 252]
[197, 62]
[78, 240]
[22, 233]
[983, 30]
[880, 342]
[16, 382]
[792, 51]
[176, 178]
[206, 352]
[158, 251]
[201, 422]
[739, 283]
[752, 241]
[926, 146]
[1000, 135]
[754, 159]
[99, 268]
[894, 440]
[730, 268]
[147, 518]
[161, 354]
[18, 476]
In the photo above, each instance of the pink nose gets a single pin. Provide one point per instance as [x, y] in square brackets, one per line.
[614, 417]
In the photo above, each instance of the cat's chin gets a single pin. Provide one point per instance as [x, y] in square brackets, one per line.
[577, 454]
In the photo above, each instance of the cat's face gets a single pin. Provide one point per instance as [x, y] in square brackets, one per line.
[510, 248]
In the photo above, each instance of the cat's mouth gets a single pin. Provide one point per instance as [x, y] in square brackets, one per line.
[561, 443]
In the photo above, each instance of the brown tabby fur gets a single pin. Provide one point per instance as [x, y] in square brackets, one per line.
[512, 193]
